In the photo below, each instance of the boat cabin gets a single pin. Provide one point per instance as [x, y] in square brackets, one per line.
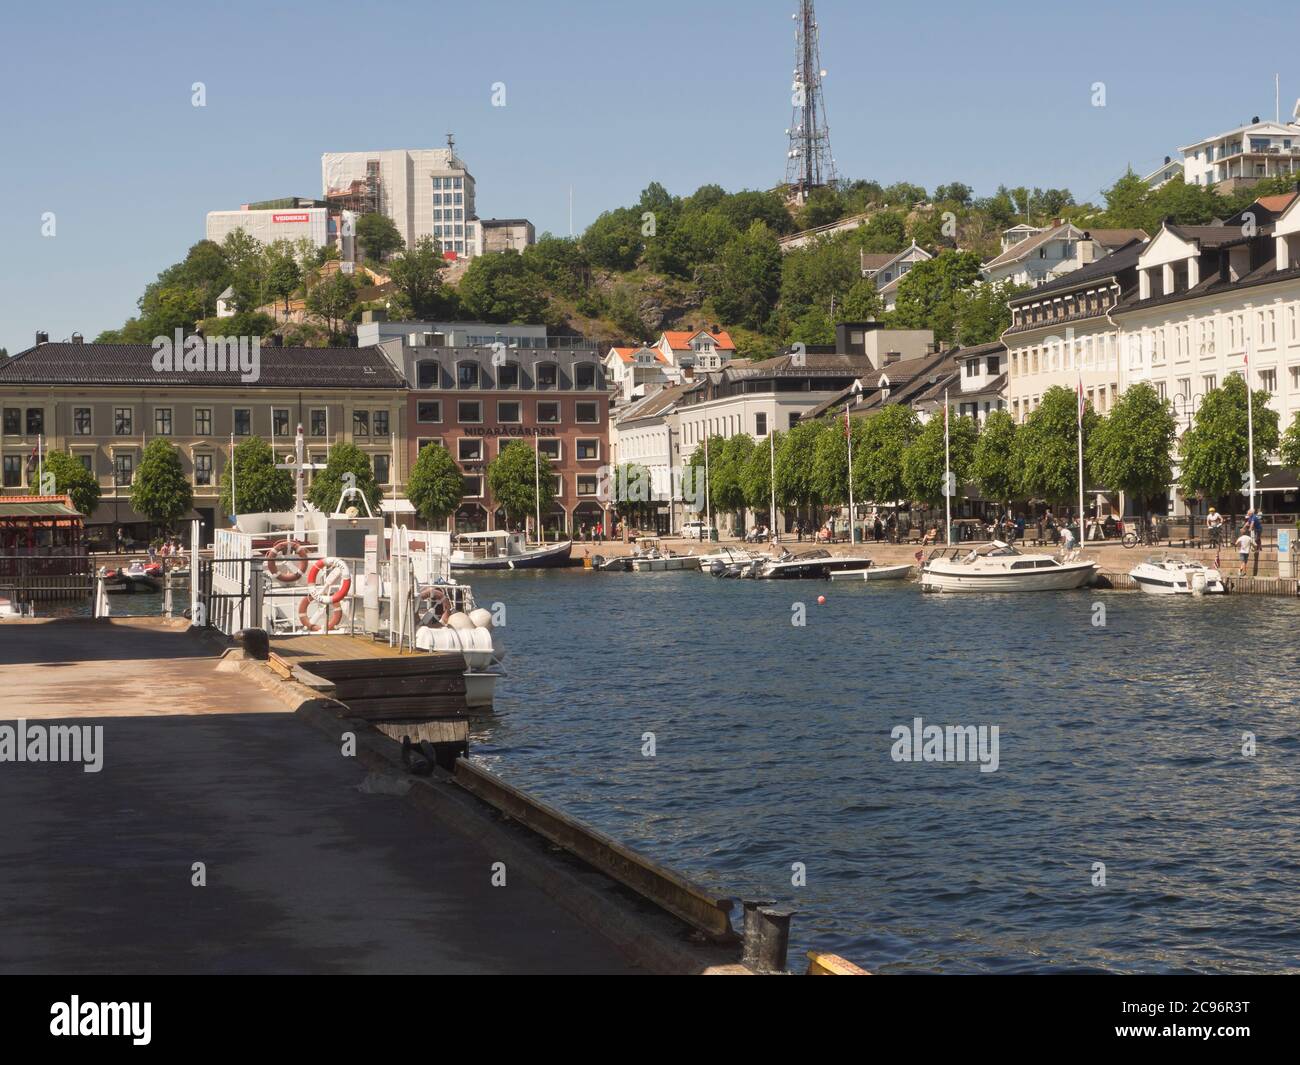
[485, 545]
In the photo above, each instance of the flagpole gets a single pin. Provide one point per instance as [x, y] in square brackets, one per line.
[708, 508]
[1250, 422]
[1082, 533]
[947, 474]
[40, 463]
[233, 508]
[771, 443]
[537, 483]
[848, 433]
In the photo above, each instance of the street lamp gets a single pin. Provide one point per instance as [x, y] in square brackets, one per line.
[1185, 407]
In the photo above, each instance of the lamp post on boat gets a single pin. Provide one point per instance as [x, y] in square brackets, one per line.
[299, 466]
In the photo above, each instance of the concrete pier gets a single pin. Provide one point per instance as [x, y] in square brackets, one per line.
[311, 863]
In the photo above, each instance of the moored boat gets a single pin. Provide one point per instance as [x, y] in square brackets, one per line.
[873, 572]
[817, 564]
[506, 550]
[999, 567]
[1172, 575]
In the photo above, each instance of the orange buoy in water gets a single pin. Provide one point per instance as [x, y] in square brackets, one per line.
[821, 600]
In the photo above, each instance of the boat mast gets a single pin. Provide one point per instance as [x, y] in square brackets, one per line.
[848, 433]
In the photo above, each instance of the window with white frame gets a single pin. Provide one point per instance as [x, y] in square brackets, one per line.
[588, 449]
[469, 449]
[1268, 380]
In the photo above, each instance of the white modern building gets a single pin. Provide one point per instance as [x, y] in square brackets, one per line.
[426, 192]
[319, 225]
[1242, 156]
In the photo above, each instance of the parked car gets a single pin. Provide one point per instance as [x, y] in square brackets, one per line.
[694, 530]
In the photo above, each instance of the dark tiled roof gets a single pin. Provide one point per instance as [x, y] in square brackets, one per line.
[1264, 274]
[1123, 258]
[132, 364]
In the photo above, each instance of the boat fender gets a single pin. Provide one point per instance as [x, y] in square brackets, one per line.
[482, 618]
[291, 573]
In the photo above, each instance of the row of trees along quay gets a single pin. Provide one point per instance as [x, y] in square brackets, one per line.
[520, 481]
[896, 457]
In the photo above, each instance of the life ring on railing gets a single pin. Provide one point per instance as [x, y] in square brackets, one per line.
[439, 602]
[322, 575]
[295, 569]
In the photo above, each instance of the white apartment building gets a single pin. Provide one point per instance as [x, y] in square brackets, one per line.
[704, 350]
[426, 192]
[636, 372]
[1062, 331]
[315, 224]
[1243, 155]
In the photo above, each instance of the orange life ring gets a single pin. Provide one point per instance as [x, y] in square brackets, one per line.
[297, 567]
[333, 616]
[331, 564]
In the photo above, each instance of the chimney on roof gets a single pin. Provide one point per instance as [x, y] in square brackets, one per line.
[715, 328]
[42, 338]
[688, 373]
[77, 338]
[892, 357]
[1255, 121]
[1168, 160]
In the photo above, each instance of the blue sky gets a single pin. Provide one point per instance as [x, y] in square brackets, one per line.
[97, 126]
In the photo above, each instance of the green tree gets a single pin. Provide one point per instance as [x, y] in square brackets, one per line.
[861, 303]
[981, 311]
[283, 273]
[378, 235]
[614, 239]
[930, 293]
[1131, 449]
[1290, 449]
[884, 231]
[632, 493]
[831, 461]
[795, 462]
[161, 491]
[499, 287]
[521, 481]
[992, 465]
[71, 478]
[748, 277]
[327, 485]
[332, 300]
[417, 275]
[1215, 449]
[923, 461]
[878, 460]
[756, 475]
[258, 484]
[813, 327]
[817, 273]
[436, 485]
[1046, 447]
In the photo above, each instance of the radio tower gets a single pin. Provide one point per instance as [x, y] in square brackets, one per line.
[809, 164]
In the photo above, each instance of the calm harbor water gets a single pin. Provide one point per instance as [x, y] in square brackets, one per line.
[1119, 744]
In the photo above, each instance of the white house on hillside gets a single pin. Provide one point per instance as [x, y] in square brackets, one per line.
[1243, 155]
[888, 269]
[1053, 252]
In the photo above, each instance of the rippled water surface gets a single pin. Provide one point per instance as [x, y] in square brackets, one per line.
[1119, 744]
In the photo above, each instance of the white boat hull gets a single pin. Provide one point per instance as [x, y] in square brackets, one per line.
[873, 573]
[660, 565]
[1155, 580]
[1056, 579]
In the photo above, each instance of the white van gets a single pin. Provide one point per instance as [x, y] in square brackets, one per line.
[694, 530]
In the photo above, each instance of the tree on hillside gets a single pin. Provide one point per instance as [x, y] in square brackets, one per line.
[957, 192]
[822, 207]
[258, 484]
[283, 272]
[1131, 448]
[812, 276]
[923, 461]
[814, 326]
[499, 287]
[981, 311]
[161, 491]
[327, 484]
[517, 485]
[1215, 450]
[992, 465]
[745, 285]
[332, 300]
[436, 485]
[417, 275]
[861, 303]
[378, 236]
[1046, 447]
[930, 293]
[878, 462]
[614, 239]
[71, 478]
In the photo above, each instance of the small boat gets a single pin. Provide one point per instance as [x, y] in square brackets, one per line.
[617, 564]
[1171, 575]
[506, 550]
[138, 577]
[727, 556]
[817, 564]
[873, 573]
[999, 567]
[652, 557]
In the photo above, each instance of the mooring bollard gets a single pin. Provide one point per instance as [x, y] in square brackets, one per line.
[167, 595]
[101, 599]
[256, 642]
[766, 936]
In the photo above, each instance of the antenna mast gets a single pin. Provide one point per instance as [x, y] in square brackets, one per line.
[809, 164]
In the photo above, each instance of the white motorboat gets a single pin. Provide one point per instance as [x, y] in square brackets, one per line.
[873, 573]
[653, 557]
[727, 556]
[999, 567]
[1171, 575]
[506, 550]
[815, 565]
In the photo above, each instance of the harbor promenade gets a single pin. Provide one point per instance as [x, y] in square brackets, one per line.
[308, 864]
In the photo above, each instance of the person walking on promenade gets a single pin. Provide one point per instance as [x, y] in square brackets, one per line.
[798, 531]
[1256, 524]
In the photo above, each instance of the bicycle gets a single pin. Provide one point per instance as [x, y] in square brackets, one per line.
[1131, 539]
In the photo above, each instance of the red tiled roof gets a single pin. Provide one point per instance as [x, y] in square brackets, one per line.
[680, 340]
[626, 353]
